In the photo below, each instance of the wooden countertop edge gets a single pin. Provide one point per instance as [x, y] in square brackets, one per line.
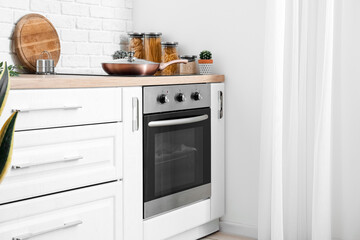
[28, 81]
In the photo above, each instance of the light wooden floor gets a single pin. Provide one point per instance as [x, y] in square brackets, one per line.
[223, 236]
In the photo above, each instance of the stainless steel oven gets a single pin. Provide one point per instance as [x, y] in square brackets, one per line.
[177, 161]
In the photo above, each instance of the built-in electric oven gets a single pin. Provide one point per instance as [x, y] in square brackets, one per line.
[177, 140]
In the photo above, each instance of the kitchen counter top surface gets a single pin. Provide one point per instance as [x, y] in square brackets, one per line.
[32, 81]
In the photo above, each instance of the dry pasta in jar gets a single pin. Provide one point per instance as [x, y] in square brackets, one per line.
[169, 53]
[137, 44]
[153, 47]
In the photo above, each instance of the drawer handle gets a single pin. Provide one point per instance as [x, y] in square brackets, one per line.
[27, 165]
[46, 109]
[64, 226]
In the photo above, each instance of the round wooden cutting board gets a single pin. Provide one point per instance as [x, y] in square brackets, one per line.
[34, 34]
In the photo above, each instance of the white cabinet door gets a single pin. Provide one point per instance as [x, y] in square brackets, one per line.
[93, 213]
[44, 108]
[133, 165]
[52, 160]
[217, 150]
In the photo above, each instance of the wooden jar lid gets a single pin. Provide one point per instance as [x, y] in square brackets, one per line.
[34, 34]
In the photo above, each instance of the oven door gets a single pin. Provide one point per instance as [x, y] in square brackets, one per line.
[177, 159]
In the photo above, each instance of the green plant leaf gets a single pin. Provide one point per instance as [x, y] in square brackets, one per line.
[6, 144]
[7, 130]
[4, 87]
[11, 68]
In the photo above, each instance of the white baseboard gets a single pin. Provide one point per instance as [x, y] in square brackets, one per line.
[238, 229]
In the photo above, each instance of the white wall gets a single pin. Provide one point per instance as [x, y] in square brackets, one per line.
[234, 32]
[89, 30]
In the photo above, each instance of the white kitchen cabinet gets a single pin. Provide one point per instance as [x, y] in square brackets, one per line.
[92, 213]
[217, 150]
[133, 165]
[52, 160]
[86, 138]
[44, 108]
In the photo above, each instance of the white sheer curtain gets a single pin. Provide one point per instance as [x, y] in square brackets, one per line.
[295, 161]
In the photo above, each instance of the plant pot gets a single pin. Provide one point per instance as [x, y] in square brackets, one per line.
[205, 66]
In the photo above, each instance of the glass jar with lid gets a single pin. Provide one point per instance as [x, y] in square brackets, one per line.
[153, 46]
[137, 44]
[169, 53]
[190, 67]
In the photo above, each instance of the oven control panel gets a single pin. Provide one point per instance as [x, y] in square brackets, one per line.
[175, 97]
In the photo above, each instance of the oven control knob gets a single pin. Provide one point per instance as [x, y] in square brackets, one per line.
[163, 98]
[181, 97]
[197, 96]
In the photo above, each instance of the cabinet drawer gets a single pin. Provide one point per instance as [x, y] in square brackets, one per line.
[63, 107]
[52, 160]
[87, 214]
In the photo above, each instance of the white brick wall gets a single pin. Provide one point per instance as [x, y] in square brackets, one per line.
[89, 30]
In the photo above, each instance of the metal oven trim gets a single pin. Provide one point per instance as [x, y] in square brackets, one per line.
[171, 202]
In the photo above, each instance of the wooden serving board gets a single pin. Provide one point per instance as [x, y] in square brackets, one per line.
[34, 34]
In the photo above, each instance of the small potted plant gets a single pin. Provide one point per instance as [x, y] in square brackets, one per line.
[205, 62]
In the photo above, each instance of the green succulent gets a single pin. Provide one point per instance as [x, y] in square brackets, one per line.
[120, 54]
[12, 69]
[205, 55]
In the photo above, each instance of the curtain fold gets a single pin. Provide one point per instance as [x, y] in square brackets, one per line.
[270, 211]
[295, 159]
[321, 206]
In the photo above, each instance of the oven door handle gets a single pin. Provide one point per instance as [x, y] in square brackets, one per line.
[180, 121]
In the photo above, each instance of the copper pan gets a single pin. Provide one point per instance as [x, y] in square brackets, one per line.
[136, 66]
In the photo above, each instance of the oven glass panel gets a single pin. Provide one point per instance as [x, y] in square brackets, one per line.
[176, 158]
